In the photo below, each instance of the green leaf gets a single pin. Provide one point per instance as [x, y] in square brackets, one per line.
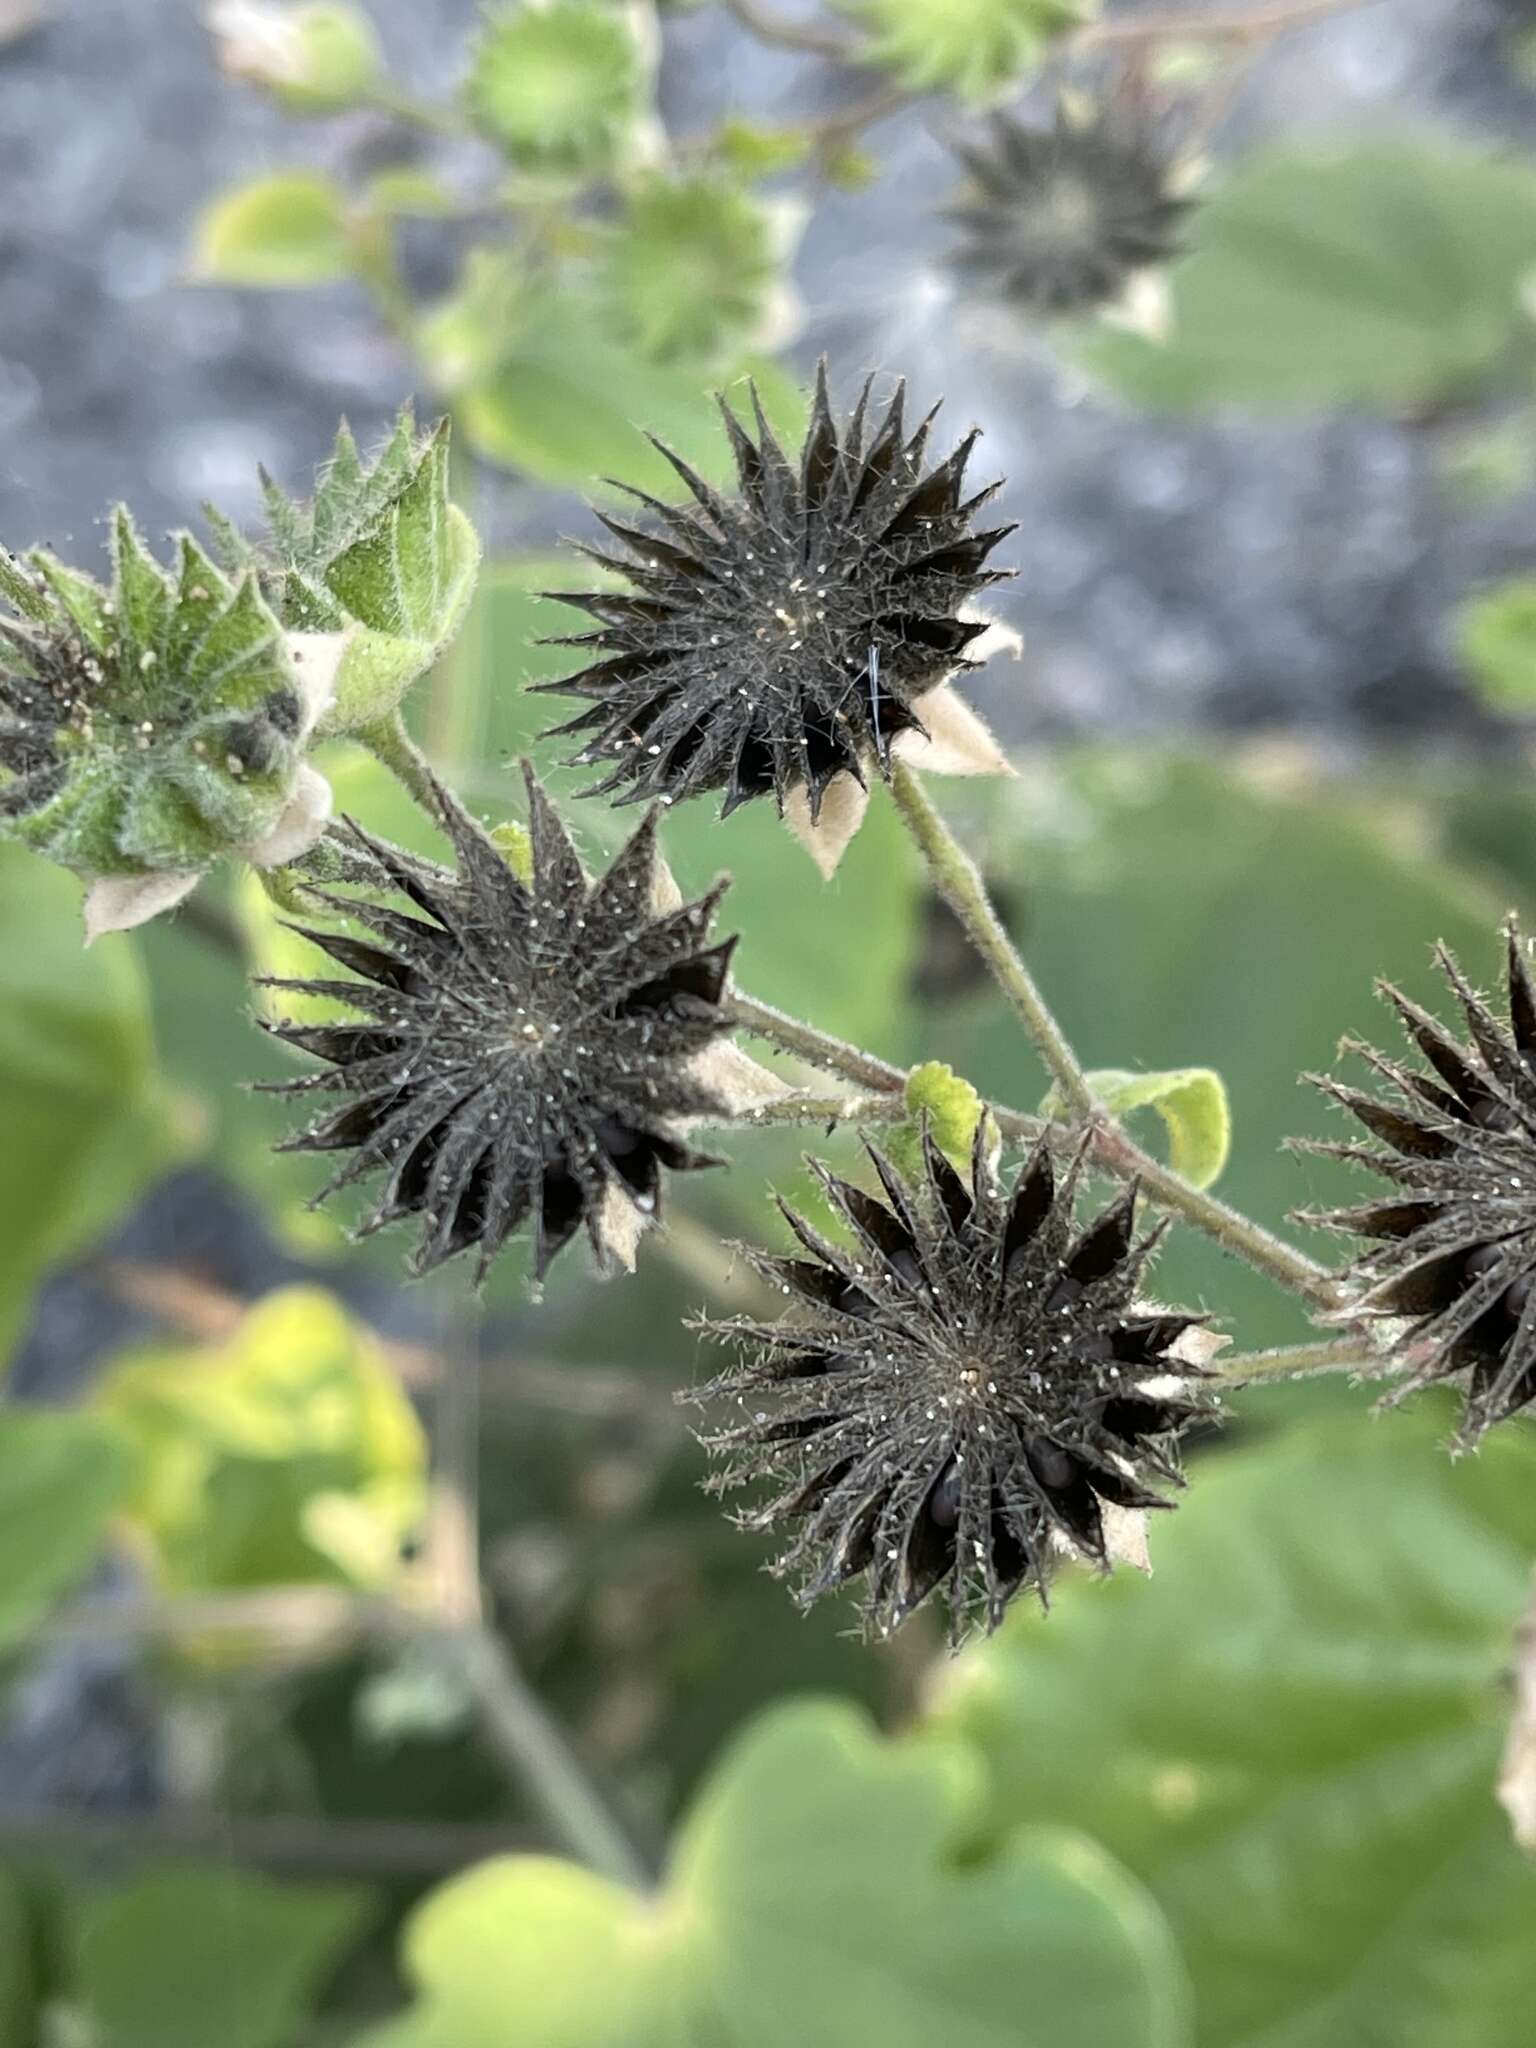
[1192, 1102]
[972, 47]
[61, 1478]
[1291, 1734]
[691, 267]
[289, 229]
[560, 87]
[409, 190]
[88, 1124]
[1385, 271]
[753, 151]
[814, 1899]
[565, 397]
[949, 1105]
[1498, 644]
[289, 1454]
[187, 1958]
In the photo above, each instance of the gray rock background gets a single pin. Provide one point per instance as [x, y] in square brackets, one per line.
[1172, 572]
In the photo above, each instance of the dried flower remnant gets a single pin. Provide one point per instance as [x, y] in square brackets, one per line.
[971, 1391]
[525, 1052]
[1451, 1249]
[1063, 220]
[780, 642]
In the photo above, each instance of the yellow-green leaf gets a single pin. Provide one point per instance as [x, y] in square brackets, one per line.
[286, 230]
[1192, 1102]
[288, 1454]
[816, 1898]
[1498, 643]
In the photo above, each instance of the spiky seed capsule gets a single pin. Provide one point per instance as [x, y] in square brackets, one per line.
[973, 1386]
[149, 725]
[1059, 220]
[773, 641]
[525, 1052]
[1452, 1249]
[559, 87]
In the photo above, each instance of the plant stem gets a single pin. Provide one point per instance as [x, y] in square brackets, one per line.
[769, 27]
[1251, 25]
[530, 1744]
[818, 1048]
[882, 1105]
[389, 742]
[1298, 1361]
[840, 131]
[958, 880]
[420, 113]
[1226, 1226]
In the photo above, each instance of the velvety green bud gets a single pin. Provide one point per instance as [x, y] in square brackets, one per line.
[152, 725]
[378, 567]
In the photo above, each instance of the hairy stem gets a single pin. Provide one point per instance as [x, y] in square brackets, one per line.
[1298, 1361]
[817, 1048]
[389, 742]
[1224, 1225]
[532, 1747]
[958, 880]
[880, 1106]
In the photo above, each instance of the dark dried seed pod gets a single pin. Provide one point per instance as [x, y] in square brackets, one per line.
[1059, 220]
[969, 1391]
[772, 641]
[1451, 1245]
[524, 1053]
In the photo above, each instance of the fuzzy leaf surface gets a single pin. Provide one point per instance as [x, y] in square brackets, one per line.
[813, 1898]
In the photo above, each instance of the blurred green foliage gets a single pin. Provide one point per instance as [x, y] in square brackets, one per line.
[1246, 1804]
[1383, 271]
[816, 1856]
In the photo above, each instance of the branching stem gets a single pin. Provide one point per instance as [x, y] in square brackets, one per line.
[1224, 1225]
[959, 882]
